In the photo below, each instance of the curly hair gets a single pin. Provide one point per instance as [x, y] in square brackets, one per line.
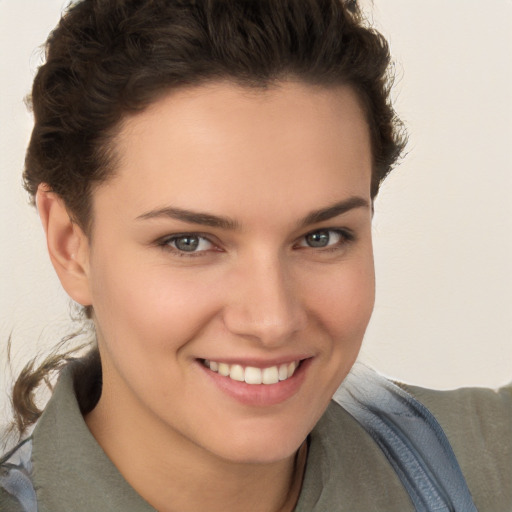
[109, 58]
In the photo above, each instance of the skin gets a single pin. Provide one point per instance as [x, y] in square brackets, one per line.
[253, 291]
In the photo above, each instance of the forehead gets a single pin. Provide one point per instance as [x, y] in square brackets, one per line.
[220, 144]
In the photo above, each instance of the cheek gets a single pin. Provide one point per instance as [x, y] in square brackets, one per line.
[150, 305]
[343, 310]
[343, 300]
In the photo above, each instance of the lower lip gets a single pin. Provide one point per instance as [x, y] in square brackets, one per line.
[261, 395]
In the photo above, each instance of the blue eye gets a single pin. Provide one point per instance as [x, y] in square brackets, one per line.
[324, 238]
[188, 243]
[318, 239]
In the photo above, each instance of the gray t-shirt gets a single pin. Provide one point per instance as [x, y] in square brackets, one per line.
[345, 471]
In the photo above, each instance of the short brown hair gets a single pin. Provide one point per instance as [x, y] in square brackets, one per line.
[107, 58]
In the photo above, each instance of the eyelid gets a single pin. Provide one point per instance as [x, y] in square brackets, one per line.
[346, 235]
[165, 242]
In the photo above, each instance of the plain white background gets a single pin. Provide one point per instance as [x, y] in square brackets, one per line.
[443, 220]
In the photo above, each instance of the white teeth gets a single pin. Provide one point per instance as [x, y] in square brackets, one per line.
[223, 369]
[270, 375]
[236, 373]
[252, 375]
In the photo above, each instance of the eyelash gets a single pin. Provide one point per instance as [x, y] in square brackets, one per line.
[165, 244]
[345, 235]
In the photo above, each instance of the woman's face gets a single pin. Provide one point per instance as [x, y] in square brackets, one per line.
[236, 234]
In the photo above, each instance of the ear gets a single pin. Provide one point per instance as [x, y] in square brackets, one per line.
[68, 245]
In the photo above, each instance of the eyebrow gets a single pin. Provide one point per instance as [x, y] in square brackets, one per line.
[334, 210]
[192, 217]
[206, 219]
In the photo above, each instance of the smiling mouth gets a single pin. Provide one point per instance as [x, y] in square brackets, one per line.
[253, 375]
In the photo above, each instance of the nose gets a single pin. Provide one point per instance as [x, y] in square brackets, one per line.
[265, 304]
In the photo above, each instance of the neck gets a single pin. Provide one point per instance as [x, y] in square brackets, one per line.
[173, 474]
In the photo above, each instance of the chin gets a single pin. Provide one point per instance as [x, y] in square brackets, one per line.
[259, 445]
[262, 454]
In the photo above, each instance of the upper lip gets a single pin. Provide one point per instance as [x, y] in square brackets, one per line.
[258, 362]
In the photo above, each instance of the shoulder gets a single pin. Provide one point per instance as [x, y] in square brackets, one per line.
[8, 503]
[481, 415]
[16, 489]
[478, 424]
[495, 402]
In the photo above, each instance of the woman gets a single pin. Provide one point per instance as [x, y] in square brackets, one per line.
[205, 173]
